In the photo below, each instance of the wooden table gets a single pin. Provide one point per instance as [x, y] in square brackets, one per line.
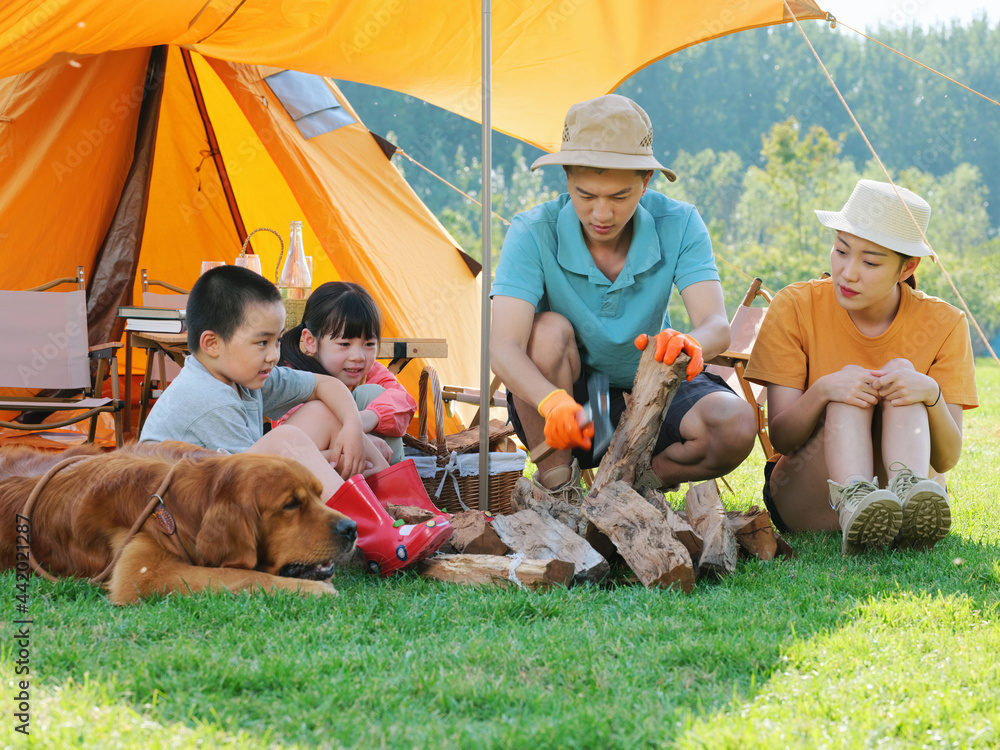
[399, 351]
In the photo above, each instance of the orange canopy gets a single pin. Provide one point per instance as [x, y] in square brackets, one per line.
[547, 54]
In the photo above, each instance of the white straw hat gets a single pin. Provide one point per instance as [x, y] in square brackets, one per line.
[609, 132]
[875, 213]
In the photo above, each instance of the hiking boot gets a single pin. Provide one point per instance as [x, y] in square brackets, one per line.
[561, 483]
[869, 517]
[926, 515]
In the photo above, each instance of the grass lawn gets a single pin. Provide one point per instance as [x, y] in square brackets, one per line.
[883, 650]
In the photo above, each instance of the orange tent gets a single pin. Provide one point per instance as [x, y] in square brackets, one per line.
[139, 134]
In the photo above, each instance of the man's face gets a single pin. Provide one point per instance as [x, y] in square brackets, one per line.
[604, 201]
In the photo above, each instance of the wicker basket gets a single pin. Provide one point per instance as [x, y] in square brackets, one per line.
[455, 487]
[451, 477]
[294, 308]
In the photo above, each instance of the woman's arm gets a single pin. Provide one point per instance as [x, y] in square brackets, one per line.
[794, 414]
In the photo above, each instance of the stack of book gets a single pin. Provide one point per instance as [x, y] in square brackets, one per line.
[153, 319]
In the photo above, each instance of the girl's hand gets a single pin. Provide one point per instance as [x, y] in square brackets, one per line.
[851, 385]
[383, 447]
[347, 455]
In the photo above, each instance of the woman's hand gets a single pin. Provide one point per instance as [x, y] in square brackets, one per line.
[900, 385]
[851, 385]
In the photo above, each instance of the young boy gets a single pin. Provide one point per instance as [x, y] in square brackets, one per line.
[866, 382]
[230, 382]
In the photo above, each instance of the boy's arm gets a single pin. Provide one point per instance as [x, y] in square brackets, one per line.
[349, 445]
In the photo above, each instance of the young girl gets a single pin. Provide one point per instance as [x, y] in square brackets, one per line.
[866, 382]
[339, 336]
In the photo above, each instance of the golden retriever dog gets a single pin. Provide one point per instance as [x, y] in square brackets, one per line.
[241, 522]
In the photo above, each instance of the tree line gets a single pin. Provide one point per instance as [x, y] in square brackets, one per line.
[759, 139]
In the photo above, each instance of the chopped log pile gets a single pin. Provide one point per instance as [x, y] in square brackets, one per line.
[548, 541]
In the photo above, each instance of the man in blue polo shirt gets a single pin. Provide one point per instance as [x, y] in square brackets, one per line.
[582, 276]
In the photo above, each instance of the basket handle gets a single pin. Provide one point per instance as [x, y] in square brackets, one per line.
[281, 253]
[429, 373]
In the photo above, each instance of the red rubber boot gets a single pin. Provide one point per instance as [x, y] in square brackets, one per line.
[400, 485]
[387, 547]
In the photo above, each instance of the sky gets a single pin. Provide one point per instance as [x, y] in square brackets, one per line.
[866, 14]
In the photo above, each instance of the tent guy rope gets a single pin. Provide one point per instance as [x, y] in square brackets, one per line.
[834, 20]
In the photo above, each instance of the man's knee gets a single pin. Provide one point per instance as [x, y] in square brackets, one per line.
[552, 344]
[731, 429]
[550, 331]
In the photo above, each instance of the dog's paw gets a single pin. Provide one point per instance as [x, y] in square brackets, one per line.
[317, 588]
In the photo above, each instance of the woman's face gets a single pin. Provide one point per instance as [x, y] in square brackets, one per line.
[866, 274]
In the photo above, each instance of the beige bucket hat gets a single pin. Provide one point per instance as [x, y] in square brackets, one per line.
[609, 132]
[875, 213]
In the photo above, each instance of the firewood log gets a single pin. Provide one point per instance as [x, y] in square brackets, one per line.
[540, 536]
[641, 535]
[707, 516]
[497, 570]
[630, 452]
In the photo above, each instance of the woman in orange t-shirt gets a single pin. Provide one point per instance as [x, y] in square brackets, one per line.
[866, 382]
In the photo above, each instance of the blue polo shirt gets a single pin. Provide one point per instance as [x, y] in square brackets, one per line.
[545, 261]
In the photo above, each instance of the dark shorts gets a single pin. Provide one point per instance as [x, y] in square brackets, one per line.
[688, 393]
[769, 501]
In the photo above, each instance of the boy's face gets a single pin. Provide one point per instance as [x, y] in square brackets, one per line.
[250, 355]
[604, 201]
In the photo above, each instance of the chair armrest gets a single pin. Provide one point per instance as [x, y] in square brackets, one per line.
[729, 359]
[106, 349]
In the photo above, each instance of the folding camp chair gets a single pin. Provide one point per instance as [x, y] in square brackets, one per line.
[731, 364]
[451, 393]
[167, 369]
[45, 348]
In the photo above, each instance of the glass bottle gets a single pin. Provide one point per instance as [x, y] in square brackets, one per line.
[296, 280]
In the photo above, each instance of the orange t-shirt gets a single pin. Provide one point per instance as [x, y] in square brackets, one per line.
[806, 334]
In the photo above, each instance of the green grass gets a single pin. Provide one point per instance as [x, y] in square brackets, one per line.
[897, 649]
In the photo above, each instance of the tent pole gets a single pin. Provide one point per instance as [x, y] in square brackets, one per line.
[487, 277]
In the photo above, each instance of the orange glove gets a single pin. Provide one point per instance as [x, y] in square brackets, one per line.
[670, 343]
[562, 422]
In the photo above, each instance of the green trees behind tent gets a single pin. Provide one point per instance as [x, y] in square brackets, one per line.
[759, 139]
[762, 222]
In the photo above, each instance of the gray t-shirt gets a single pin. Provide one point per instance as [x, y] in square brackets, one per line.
[200, 409]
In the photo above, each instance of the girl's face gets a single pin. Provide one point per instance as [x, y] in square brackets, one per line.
[348, 360]
[865, 275]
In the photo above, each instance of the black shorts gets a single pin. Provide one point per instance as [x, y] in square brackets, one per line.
[688, 393]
